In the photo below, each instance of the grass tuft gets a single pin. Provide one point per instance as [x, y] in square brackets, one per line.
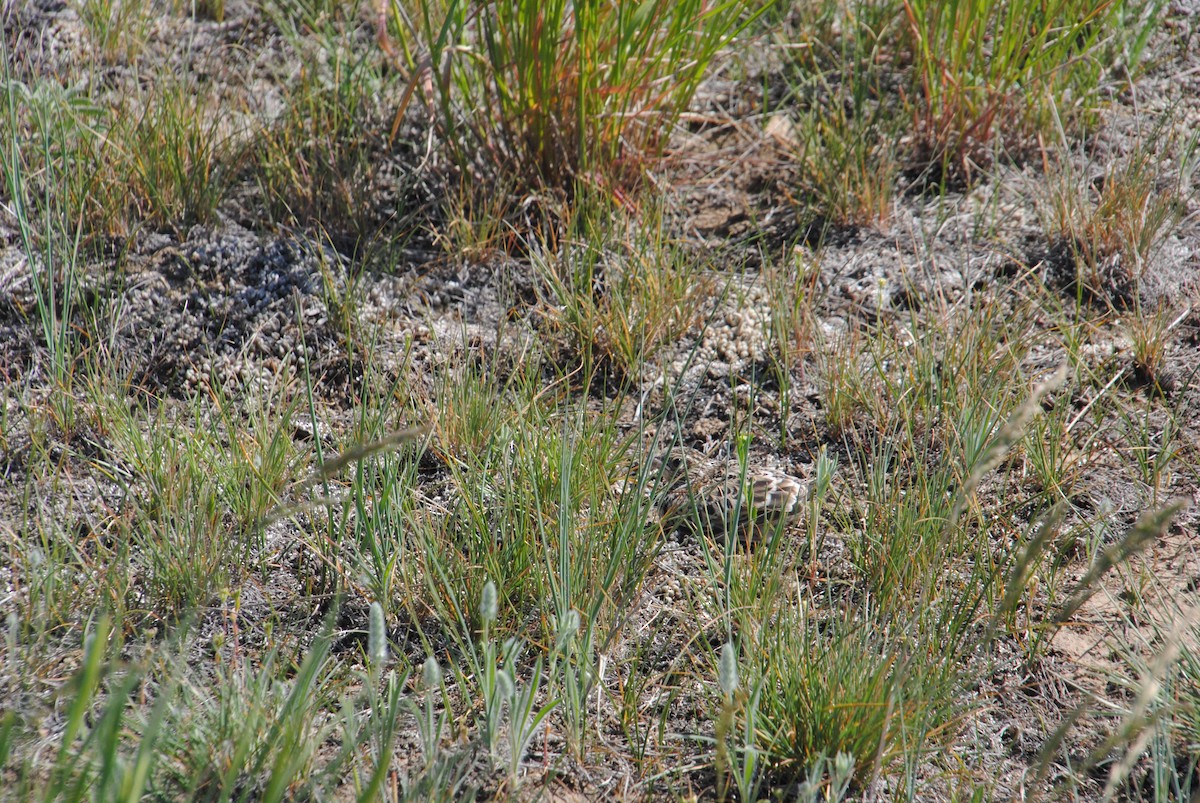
[554, 97]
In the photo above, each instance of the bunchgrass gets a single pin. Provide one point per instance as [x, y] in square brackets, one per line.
[930, 95]
[48, 216]
[1116, 221]
[982, 70]
[848, 120]
[317, 162]
[163, 158]
[177, 152]
[617, 309]
[550, 97]
[117, 28]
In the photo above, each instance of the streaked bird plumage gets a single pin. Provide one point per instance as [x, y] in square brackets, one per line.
[692, 489]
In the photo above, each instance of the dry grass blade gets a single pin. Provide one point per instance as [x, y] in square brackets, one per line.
[1150, 526]
[1026, 563]
[1010, 434]
[1136, 730]
[355, 453]
[1052, 746]
[331, 467]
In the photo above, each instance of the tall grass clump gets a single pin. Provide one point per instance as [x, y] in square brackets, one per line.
[933, 91]
[618, 296]
[163, 159]
[545, 96]
[117, 28]
[987, 68]
[317, 163]
[177, 154]
[848, 121]
[40, 189]
[1114, 225]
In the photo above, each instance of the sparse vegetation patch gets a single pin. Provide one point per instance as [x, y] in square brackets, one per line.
[421, 400]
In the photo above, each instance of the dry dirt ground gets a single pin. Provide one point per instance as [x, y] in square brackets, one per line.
[219, 305]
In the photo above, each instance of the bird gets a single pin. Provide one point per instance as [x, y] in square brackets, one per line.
[693, 490]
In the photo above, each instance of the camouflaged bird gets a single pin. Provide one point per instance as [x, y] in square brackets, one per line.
[695, 490]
